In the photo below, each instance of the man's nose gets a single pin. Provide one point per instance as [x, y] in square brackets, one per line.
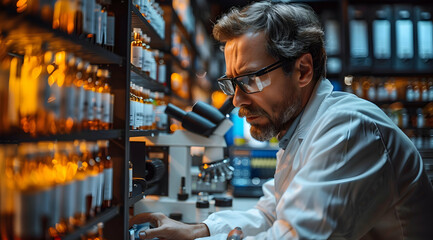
[240, 98]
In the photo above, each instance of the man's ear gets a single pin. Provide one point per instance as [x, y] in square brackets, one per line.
[305, 65]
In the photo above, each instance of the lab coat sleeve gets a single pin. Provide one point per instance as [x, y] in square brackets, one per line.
[254, 221]
[342, 182]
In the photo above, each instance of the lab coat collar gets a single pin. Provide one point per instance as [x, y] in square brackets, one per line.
[322, 89]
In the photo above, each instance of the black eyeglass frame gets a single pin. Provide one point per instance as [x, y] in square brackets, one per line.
[258, 73]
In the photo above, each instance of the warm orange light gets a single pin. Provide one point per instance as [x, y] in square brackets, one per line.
[176, 80]
[218, 99]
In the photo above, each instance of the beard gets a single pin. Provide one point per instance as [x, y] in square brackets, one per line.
[277, 123]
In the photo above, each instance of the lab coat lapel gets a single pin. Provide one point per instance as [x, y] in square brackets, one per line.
[288, 162]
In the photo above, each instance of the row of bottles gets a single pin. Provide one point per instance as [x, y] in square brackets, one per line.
[149, 61]
[421, 139]
[410, 117]
[153, 13]
[53, 93]
[48, 189]
[391, 89]
[89, 19]
[147, 109]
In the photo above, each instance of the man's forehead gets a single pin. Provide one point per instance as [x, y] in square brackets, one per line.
[245, 42]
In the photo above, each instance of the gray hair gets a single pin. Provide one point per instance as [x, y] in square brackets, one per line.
[291, 31]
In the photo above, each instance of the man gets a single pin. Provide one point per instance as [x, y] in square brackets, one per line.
[344, 170]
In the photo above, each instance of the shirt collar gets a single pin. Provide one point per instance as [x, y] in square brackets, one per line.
[286, 138]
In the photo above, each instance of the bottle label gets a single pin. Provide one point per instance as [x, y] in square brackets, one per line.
[139, 115]
[404, 41]
[104, 27]
[53, 100]
[106, 107]
[161, 73]
[81, 196]
[136, 52]
[100, 189]
[148, 114]
[88, 27]
[108, 183]
[68, 201]
[55, 203]
[89, 103]
[98, 106]
[425, 39]
[130, 180]
[80, 96]
[132, 113]
[97, 25]
[69, 95]
[93, 188]
[110, 30]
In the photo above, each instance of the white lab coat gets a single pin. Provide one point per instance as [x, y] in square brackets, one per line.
[348, 172]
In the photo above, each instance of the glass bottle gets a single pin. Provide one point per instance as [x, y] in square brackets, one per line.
[68, 97]
[136, 48]
[108, 176]
[106, 89]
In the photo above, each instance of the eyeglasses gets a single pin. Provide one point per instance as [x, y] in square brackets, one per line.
[248, 83]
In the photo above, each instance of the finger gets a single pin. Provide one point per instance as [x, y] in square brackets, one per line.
[141, 218]
[153, 218]
[150, 233]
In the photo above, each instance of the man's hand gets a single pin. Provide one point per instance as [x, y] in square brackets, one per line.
[167, 228]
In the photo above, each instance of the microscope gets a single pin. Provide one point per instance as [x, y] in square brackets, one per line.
[170, 162]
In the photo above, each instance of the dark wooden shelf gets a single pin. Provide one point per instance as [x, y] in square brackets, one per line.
[21, 30]
[142, 79]
[140, 133]
[138, 21]
[104, 216]
[84, 135]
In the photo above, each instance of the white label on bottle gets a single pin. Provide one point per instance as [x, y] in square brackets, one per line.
[358, 39]
[100, 189]
[54, 100]
[98, 23]
[68, 200]
[105, 107]
[136, 52]
[332, 37]
[110, 30]
[108, 183]
[404, 39]
[409, 94]
[69, 95]
[148, 114]
[132, 113]
[93, 188]
[79, 111]
[89, 104]
[104, 27]
[98, 105]
[81, 196]
[161, 73]
[130, 180]
[425, 39]
[55, 204]
[382, 39]
[27, 214]
[139, 115]
[90, 16]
